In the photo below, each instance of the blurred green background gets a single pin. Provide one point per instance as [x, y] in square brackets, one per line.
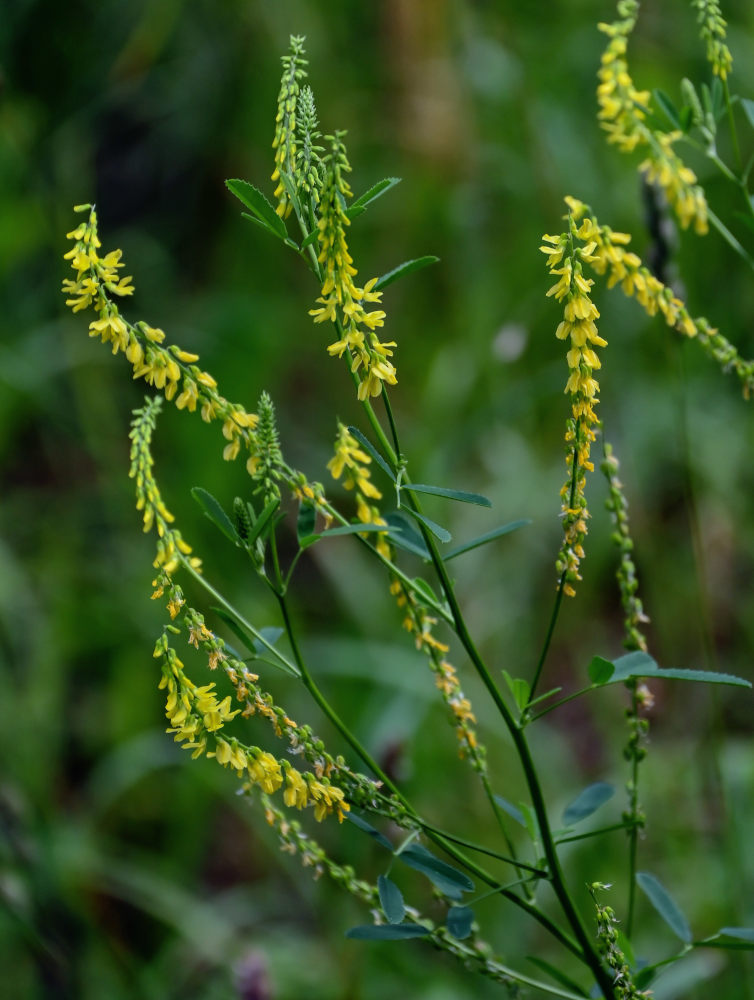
[127, 871]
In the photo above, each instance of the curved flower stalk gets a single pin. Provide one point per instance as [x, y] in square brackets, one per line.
[419, 623]
[341, 301]
[623, 115]
[626, 269]
[712, 27]
[284, 142]
[579, 327]
[169, 369]
[351, 463]
[170, 545]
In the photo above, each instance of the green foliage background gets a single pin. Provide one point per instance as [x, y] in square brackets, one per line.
[125, 872]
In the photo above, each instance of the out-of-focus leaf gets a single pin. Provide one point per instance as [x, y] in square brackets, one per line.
[474, 543]
[445, 877]
[587, 802]
[391, 899]
[215, 513]
[387, 932]
[459, 921]
[665, 905]
[362, 824]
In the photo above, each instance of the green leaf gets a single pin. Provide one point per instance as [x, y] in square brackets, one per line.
[307, 515]
[387, 932]
[291, 191]
[600, 670]
[270, 634]
[440, 491]
[519, 688]
[362, 824]
[407, 267]
[391, 899]
[665, 905]
[642, 665]
[425, 590]
[483, 539]
[404, 535]
[445, 877]
[309, 239]
[513, 811]
[376, 191]
[748, 107]
[263, 211]
[365, 443]
[440, 533]
[343, 529]
[686, 118]
[459, 921]
[530, 821]
[671, 112]
[259, 527]
[216, 514]
[738, 938]
[557, 975]
[587, 802]
[351, 529]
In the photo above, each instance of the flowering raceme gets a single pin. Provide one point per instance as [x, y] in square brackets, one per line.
[578, 326]
[170, 369]
[623, 112]
[341, 302]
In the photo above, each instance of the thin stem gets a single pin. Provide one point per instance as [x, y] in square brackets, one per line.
[594, 833]
[633, 834]
[563, 701]
[286, 663]
[559, 594]
[437, 838]
[548, 639]
[732, 125]
[539, 872]
[729, 238]
[590, 956]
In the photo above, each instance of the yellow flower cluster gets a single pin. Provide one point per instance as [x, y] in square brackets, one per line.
[352, 460]
[623, 112]
[171, 547]
[284, 142]
[624, 268]
[342, 302]
[168, 369]
[196, 714]
[579, 327]
[419, 623]
[712, 30]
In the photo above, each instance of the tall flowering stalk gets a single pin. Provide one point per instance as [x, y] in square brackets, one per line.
[233, 716]
[623, 115]
[578, 327]
[342, 302]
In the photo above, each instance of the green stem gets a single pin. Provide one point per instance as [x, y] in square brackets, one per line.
[283, 660]
[590, 955]
[548, 640]
[633, 836]
[732, 125]
[594, 833]
[437, 838]
[539, 872]
[559, 593]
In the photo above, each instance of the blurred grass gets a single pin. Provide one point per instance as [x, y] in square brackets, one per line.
[126, 873]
